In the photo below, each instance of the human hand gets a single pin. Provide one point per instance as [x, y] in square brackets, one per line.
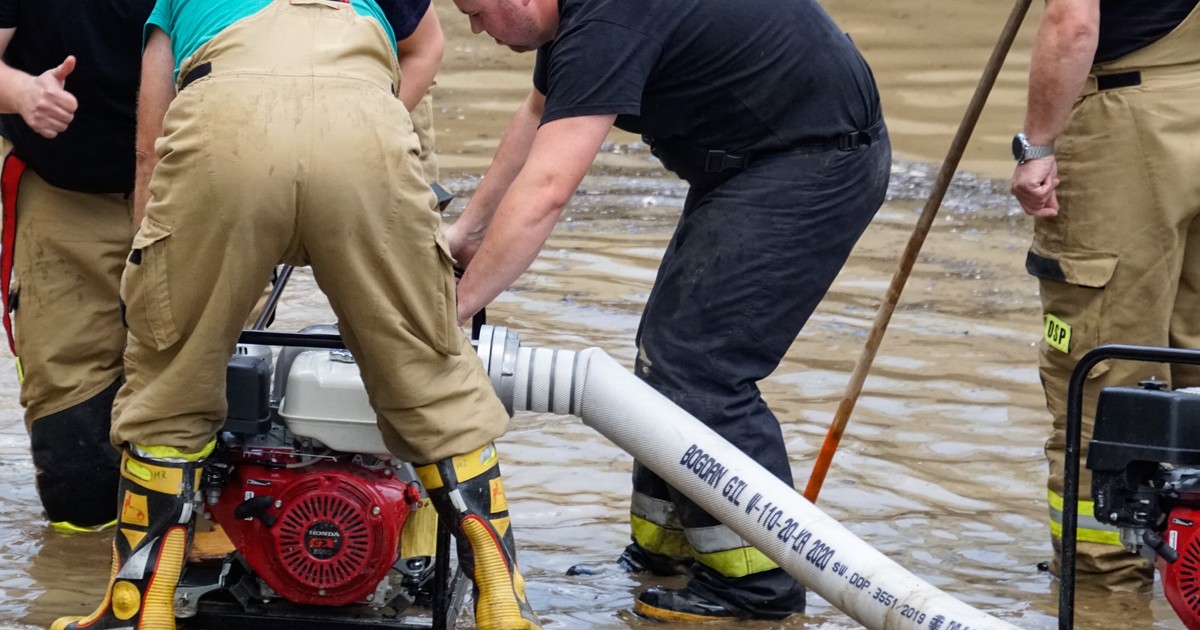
[1033, 185]
[462, 246]
[45, 105]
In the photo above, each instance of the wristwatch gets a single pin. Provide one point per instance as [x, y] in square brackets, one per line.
[1023, 151]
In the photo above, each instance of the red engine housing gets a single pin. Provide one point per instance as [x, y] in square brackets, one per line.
[329, 533]
[1181, 580]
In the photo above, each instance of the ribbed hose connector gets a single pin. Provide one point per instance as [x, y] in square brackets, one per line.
[541, 380]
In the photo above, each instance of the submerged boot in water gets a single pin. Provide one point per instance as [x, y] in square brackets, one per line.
[710, 596]
[659, 544]
[468, 494]
[680, 605]
[154, 529]
[636, 559]
[77, 469]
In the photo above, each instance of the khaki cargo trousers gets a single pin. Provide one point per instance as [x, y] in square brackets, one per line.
[426, 129]
[69, 252]
[1121, 261]
[295, 149]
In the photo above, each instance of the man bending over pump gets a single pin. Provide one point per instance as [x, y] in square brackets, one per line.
[286, 142]
[770, 114]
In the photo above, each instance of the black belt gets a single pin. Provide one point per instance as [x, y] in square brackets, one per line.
[195, 74]
[1118, 80]
[718, 161]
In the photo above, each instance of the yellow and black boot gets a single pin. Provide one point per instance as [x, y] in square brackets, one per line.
[659, 544]
[156, 493]
[468, 494]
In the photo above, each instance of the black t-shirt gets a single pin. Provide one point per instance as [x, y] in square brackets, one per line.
[403, 15]
[95, 153]
[1127, 25]
[733, 75]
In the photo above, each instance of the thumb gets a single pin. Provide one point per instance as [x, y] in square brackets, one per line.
[64, 69]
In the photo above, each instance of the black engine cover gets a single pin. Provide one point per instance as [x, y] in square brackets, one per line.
[1146, 425]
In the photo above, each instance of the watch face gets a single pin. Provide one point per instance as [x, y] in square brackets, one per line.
[1018, 146]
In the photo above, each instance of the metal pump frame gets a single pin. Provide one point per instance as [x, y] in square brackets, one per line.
[1070, 518]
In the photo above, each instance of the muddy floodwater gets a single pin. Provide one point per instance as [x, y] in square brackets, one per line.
[941, 466]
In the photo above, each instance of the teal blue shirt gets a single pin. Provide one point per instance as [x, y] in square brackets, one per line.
[191, 23]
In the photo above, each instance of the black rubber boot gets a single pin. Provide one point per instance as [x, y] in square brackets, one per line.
[76, 465]
[633, 560]
[153, 533]
[468, 494]
[658, 543]
[709, 596]
[679, 605]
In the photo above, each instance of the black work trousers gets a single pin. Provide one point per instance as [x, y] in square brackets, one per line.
[750, 259]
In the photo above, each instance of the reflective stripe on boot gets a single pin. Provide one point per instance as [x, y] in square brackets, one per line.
[153, 531]
[468, 493]
[655, 527]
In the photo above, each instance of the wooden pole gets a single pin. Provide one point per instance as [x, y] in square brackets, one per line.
[940, 185]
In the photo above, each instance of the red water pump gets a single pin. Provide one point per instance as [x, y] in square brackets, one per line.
[323, 534]
[1181, 578]
[302, 483]
[1145, 462]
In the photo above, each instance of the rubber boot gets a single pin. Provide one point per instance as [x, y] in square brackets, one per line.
[154, 529]
[76, 466]
[710, 596]
[658, 544]
[468, 494]
[636, 559]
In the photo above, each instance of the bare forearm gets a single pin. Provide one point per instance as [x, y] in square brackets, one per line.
[146, 161]
[561, 153]
[508, 162]
[518, 232]
[154, 97]
[1062, 58]
[417, 76]
[13, 84]
[420, 56]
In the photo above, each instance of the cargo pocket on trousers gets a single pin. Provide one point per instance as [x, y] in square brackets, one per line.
[145, 288]
[1074, 301]
[444, 333]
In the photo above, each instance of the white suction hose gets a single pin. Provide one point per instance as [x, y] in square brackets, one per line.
[807, 543]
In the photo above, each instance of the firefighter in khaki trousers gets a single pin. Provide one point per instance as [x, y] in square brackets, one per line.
[69, 97]
[286, 142]
[67, 108]
[1108, 165]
